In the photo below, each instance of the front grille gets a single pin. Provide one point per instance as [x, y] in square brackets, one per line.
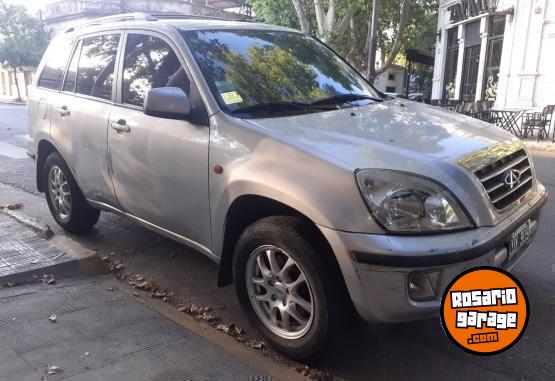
[492, 178]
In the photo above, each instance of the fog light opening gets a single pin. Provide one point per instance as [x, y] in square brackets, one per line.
[420, 287]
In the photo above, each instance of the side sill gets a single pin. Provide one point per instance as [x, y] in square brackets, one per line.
[176, 237]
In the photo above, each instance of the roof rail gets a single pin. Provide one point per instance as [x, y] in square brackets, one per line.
[175, 15]
[114, 18]
[141, 16]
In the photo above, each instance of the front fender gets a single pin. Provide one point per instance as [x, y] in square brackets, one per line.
[325, 191]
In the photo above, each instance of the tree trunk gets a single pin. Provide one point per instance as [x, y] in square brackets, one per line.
[320, 18]
[373, 41]
[302, 14]
[17, 84]
[398, 38]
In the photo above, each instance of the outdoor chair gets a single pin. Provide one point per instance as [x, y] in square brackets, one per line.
[467, 108]
[459, 107]
[540, 121]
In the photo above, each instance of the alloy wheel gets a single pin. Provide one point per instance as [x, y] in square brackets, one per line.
[279, 292]
[58, 189]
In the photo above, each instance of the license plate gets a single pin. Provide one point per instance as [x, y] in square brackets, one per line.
[519, 239]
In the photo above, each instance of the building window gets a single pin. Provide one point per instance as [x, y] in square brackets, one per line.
[495, 48]
[390, 89]
[451, 64]
[391, 77]
[471, 61]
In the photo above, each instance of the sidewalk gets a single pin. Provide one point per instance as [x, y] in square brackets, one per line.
[100, 332]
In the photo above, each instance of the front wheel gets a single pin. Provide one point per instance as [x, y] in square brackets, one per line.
[278, 278]
[65, 200]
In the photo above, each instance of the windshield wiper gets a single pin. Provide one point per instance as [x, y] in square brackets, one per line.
[276, 107]
[345, 98]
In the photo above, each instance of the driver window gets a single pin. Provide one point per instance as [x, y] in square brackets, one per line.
[150, 63]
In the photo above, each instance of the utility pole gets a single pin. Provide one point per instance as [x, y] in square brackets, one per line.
[373, 41]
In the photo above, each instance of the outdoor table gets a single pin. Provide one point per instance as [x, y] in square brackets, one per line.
[508, 119]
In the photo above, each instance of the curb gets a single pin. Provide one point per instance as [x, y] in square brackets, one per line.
[69, 269]
[42, 229]
[12, 103]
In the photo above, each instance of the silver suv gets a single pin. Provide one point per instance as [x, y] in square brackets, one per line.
[261, 148]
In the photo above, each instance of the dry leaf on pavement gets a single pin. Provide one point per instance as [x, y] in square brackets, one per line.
[52, 369]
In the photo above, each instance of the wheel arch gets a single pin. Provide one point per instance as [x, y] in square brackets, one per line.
[248, 209]
[45, 148]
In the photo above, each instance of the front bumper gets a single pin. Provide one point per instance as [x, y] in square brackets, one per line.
[377, 268]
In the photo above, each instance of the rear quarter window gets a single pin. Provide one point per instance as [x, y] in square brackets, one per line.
[56, 61]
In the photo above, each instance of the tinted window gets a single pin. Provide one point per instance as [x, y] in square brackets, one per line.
[150, 63]
[71, 76]
[95, 75]
[58, 55]
[247, 68]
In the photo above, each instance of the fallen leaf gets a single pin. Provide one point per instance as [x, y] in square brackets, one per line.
[52, 369]
[48, 279]
[136, 294]
[15, 206]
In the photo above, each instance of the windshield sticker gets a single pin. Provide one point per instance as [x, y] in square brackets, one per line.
[231, 97]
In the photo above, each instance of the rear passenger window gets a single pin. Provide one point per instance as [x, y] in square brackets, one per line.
[95, 75]
[150, 63]
[58, 55]
[71, 76]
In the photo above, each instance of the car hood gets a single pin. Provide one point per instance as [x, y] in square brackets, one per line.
[376, 134]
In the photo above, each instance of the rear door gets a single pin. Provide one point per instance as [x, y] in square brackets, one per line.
[47, 90]
[160, 166]
[81, 112]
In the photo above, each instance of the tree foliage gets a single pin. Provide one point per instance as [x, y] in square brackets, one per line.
[24, 38]
[345, 25]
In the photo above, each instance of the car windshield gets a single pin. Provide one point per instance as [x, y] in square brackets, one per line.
[259, 73]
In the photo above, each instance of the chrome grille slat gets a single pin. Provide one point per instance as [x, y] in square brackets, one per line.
[512, 190]
[504, 169]
[492, 179]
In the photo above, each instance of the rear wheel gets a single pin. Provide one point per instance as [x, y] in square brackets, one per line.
[278, 278]
[65, 200]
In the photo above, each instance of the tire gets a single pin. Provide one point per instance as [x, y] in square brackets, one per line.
[70, 210]
[285, 238]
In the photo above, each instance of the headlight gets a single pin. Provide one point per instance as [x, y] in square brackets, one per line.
[406, 203]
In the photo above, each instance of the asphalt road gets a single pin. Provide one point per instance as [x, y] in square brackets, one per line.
[417, 350]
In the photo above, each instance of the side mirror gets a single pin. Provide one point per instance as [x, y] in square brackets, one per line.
[167, 102]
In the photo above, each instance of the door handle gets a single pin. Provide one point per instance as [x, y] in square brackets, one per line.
[63, 111]
[120, 126]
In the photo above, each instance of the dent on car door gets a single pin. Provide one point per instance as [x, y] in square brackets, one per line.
[160, 166]
[81, 113]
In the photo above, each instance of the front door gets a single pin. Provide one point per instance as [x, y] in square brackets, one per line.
[160, 166]
[80, 114]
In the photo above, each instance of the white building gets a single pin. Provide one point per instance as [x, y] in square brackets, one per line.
[392, 80]
[496, 50]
